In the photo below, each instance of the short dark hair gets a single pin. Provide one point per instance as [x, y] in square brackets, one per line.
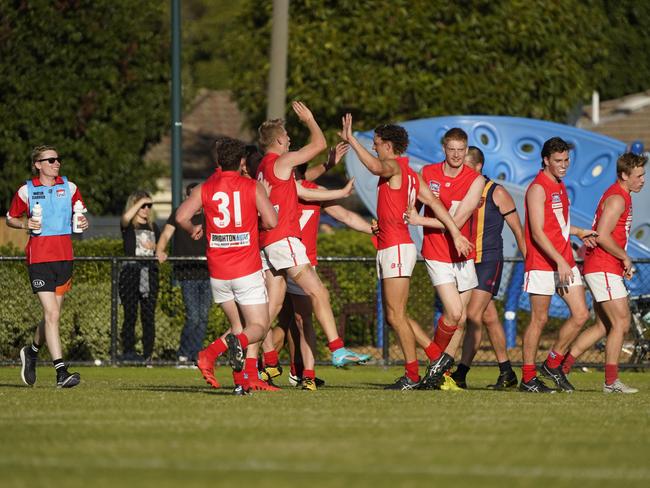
[628, 161]
[301, 170]
[190, 187]
[554, 145]
[395, 134]
[253, 159]
[228, 153]
[455, 134]
[476, 154]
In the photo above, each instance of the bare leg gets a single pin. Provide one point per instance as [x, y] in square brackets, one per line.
[395, 295]
[305, 325]
[52, 313]
[457, 338]
[476, 307]
[618, 313]
[538, 317]
[591, 335]
[574, 296]
[495, 332]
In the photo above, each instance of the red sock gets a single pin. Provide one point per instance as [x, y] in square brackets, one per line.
[567, 364]
[554, 359]
[528, 372]
[443, 335]
[271, 358]
[243, 340]
[432, 351]
[292, 369]
[611, 373]
[250, 368]
[412, 371]
[309, 373]
[239, 378]
[216, 349]
[336, 344]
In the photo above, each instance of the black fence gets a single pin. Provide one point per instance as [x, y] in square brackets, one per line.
[133, 310]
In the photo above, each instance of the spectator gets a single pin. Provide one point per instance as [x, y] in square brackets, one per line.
[194, 280]
[139, 279]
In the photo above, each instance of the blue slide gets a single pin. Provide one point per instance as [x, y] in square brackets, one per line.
[512, 148]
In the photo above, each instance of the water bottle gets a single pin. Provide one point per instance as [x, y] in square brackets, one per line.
[78, 210]
[37, 216]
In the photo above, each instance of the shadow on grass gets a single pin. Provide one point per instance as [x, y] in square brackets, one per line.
[179, 389]
[13, 385]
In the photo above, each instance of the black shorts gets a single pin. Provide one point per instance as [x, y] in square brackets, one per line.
[489, 276]
[55, 276]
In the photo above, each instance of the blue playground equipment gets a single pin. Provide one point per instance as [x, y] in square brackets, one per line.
[512, 147]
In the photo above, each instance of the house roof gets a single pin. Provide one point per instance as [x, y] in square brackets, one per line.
[626, 119]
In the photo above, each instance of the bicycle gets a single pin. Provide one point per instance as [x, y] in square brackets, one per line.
[639, 349]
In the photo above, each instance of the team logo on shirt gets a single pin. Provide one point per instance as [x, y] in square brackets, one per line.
[434, 186]
[60, 192]
[38, 283]
[556, 201]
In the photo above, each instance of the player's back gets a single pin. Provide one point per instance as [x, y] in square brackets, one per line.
[392, 203]
[437, 245]
[557, 225]
[284, 198]
[309, 218]
[231, 221]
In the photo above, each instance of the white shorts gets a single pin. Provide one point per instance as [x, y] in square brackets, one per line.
[285, 253]
[541, 282]
[463, 274]
[246, 290]
[265, 263]
[293, 288]
[396, 261]
[606, 286]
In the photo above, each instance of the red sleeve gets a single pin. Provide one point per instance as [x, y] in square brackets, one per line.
[18, 207]
[77, 197]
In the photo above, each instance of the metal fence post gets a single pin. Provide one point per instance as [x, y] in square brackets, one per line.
[114, 295]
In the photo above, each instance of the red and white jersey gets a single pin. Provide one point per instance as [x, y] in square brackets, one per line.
[43, 249]
[597, 259]
[309, 213]
[230, 209]
[437, 245]
[284, 199]
[393, 203]
[557, 225]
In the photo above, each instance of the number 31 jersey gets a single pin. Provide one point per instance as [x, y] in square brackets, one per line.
[229, 203]
[557, 225]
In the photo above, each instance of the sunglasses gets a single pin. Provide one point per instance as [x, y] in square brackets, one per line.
[147, 205]
[50, 160]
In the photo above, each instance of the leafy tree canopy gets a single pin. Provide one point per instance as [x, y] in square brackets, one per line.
[91, 78]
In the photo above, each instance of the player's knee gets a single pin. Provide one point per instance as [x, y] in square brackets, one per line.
[581, 316]
[52, 317]
[538, 319]
[394, 316]
[453, 317]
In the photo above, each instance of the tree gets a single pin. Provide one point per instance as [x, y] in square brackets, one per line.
[91, 78]
[395, 60]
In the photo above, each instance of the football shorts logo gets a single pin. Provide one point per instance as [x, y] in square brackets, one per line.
[38, 283]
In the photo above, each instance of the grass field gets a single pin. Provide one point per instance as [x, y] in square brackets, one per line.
[165, 427]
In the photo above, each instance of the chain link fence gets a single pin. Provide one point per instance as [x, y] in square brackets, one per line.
[133, 310]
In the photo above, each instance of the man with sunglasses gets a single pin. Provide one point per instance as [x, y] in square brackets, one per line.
[49, 255]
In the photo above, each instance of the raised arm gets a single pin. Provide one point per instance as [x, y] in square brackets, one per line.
[188, 208]
[333, 158]
[377, 167]
[129, 213]
[317, 143]
[613, 208]
[535, 202]
[163, 240]
[268, 215]
[507, 209]
[352, 219]
[323, 195]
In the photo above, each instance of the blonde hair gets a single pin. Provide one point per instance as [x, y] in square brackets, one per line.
[269, 131]
[130, 202]
[37, 152]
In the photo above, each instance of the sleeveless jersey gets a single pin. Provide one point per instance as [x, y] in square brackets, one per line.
[231, 225]
[309, 218]
[487, 226]
[557, 224]
[391, 205]
[597, 259]
[437, 244]
[284, 199]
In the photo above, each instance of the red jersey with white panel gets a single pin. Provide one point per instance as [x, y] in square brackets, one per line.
[437, 245]
[309, 213]
[231, 225]
[284, 199]
[392, 203]
[44, 249]
[557, 225]
[597, 259]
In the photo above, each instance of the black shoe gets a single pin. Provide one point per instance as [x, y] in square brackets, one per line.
[434, 375]
[319, 382]
[506, 379]
[461, 381]
[558, 377]
[241, 391]
[28, 369]
[535, 385]
[235, 353]
[65, 379]
[403, 383]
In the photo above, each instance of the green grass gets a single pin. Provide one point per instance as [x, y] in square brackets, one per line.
[165, 427]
